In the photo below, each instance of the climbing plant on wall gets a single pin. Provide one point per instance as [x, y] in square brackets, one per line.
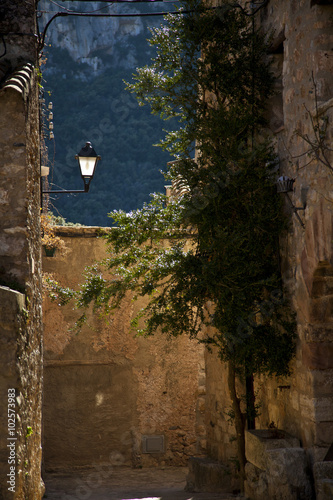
[207, 259]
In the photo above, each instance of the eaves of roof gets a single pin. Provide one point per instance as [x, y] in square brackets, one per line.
[20, 80]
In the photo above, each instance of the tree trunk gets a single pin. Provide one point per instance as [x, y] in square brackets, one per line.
[250, 403]
[239, 421]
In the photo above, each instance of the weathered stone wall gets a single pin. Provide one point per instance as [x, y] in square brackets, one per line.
[11, 307]
[221, 434]
[17, 18]
[302, 404]
[13, 189]
[20, 259]
[105, 389]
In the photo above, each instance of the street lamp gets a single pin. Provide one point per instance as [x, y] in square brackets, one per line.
[284, 185]
[87, 159]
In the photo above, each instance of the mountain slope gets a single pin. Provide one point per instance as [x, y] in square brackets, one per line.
[83, 77]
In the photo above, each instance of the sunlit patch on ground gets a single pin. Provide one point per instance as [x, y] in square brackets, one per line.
[146, 498]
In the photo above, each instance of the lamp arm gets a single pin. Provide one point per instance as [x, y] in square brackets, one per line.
[295, 210]
[68, 191]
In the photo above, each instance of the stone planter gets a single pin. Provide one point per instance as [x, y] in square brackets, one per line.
[259, 441]
[277, 467]
[49, 252]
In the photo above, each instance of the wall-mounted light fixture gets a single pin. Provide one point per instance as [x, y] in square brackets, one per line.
[284, 185]
[88, 160]
[49, 119]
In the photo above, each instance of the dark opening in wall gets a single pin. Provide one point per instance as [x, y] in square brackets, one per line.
[321, 2]
[276, 114]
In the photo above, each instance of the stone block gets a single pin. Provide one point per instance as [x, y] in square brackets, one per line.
[289, 466]
[319, 333]
[323, 470]
[203, 444]
[295, 400]
[285, 477]
[324, 433]
[322, 285]
[322, 382]
[318, 355]
[201, 430]
[307, 405]
[201, 405]
[318, 453]
[256, 485]
[316, 409]
[209, 475]
[322, 308]
[323, 476]
[324, 409]
[258, 442]
[324, 490]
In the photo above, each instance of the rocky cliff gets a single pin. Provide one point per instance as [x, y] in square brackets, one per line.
[84, 38]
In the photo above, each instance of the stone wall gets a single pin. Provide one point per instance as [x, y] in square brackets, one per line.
[20, 259]
[18, 25]
[106, 390]
[11, 307]
[221, 442]
[302, 404]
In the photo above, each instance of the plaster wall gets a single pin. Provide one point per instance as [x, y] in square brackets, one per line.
[105, 389]
[303, 403]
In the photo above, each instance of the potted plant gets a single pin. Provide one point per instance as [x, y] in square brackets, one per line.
[50, 241]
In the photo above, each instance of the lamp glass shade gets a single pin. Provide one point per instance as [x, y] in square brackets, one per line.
[88, 159]
[87, 165]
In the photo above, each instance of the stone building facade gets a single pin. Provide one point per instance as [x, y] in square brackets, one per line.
[301, 405]
[20, 260]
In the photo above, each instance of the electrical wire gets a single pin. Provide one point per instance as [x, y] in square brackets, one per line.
[62, 7]
[107, 2]
[83, 14]
[146, 14]
[69, 10]
[125, 1]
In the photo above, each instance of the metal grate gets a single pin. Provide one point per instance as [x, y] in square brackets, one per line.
[153, 444]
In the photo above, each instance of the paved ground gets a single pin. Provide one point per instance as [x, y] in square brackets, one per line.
[123, 484]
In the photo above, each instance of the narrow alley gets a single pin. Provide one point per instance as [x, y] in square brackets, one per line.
[124, 483]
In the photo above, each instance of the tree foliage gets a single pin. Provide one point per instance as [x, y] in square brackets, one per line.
[209, 256]
[218, 242]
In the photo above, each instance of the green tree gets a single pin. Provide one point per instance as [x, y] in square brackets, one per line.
[209, 256]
